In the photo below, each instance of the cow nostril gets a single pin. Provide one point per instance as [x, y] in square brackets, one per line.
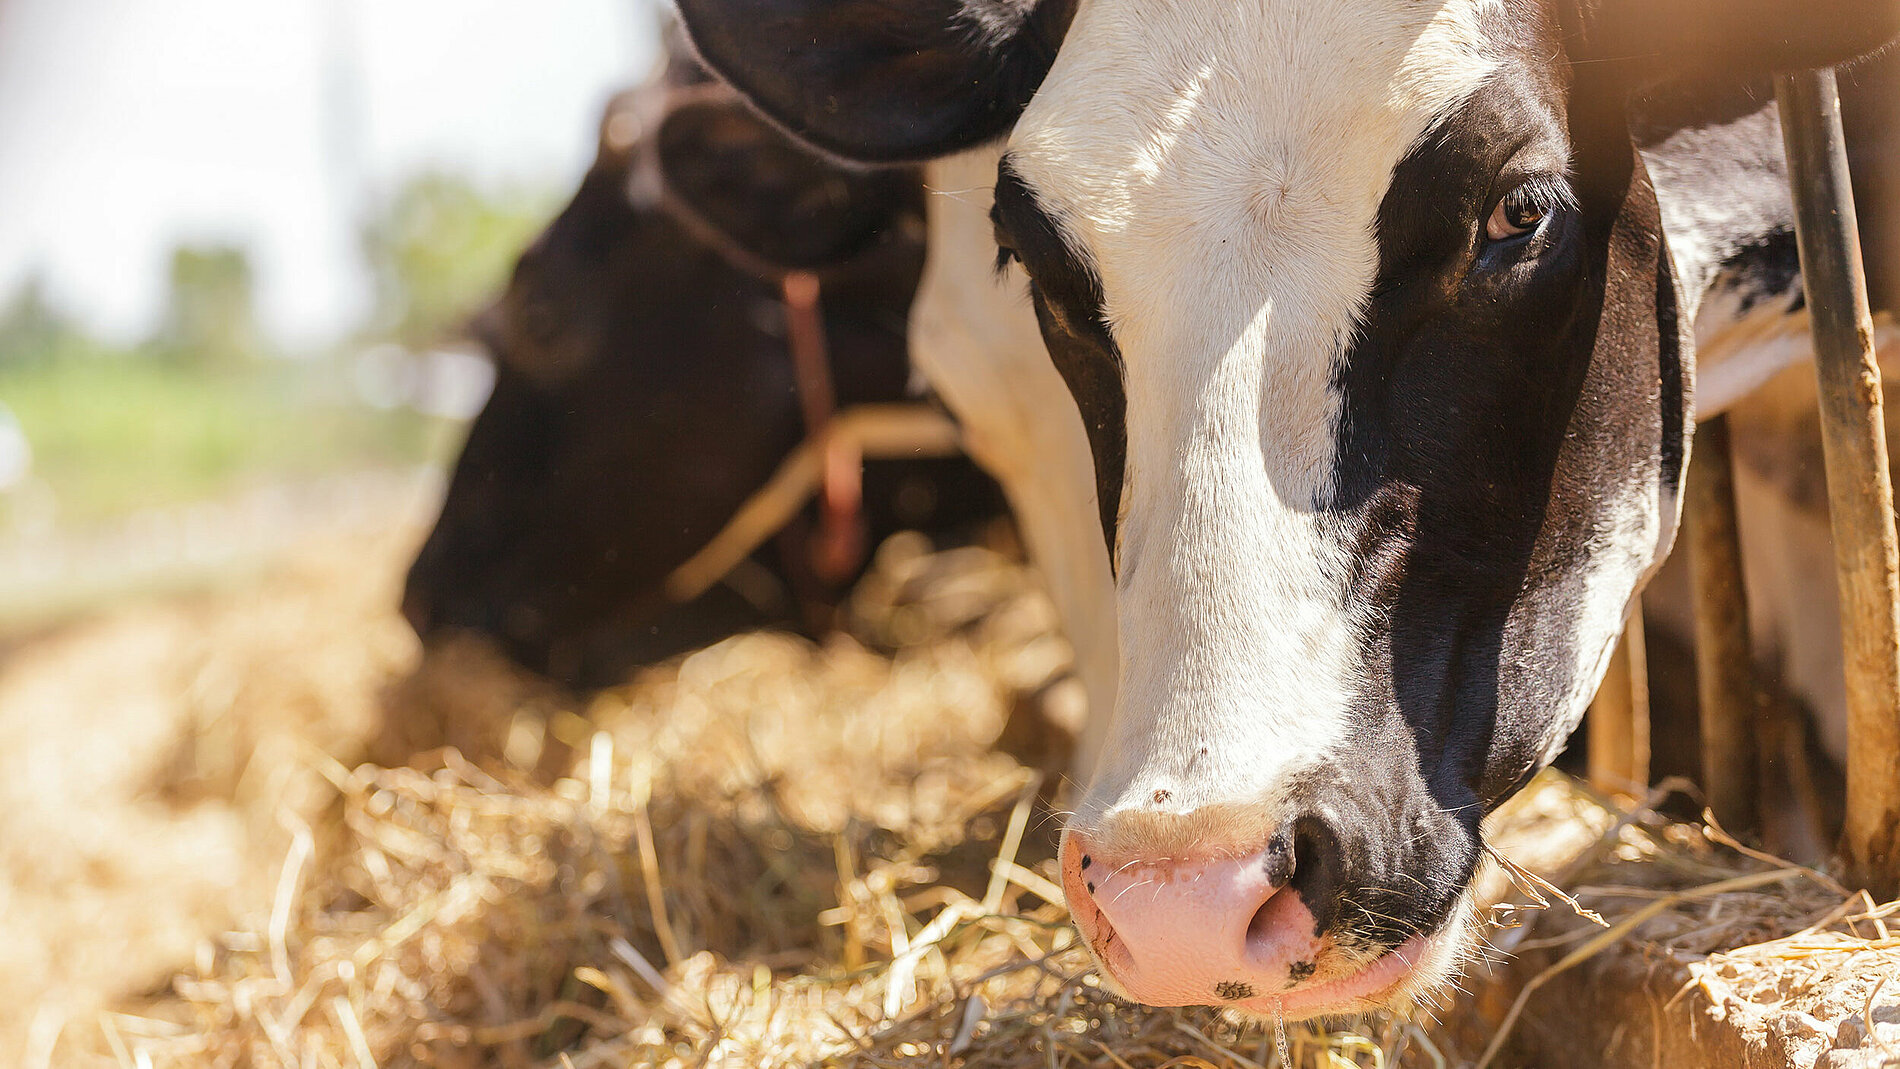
[1260, 926]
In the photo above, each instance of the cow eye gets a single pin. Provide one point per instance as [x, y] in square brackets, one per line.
[1515, 216]
[1523, 210]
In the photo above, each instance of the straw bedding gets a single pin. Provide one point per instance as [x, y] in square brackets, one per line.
[772, 853]
[1711, 954]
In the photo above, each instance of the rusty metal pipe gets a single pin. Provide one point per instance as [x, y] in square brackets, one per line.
[1725, 667]
[1619, 717]
[1860, 487]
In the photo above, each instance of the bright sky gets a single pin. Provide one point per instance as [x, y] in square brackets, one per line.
[126, 125]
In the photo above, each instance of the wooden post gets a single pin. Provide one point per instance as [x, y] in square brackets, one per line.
[1619, 717]
[1860, 490]
[1724, 661]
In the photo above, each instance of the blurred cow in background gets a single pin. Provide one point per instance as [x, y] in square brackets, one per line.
[645, 390]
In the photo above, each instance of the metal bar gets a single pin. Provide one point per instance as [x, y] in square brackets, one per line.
[1725, 667]
[1860, 489]
[1619, 717]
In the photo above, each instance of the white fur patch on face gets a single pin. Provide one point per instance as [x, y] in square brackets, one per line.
[1220, 164]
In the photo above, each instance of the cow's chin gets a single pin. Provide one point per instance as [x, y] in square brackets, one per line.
[1412, 973]
[1415, 972]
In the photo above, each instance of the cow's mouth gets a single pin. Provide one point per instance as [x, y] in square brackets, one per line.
[1373, 986]
[1225, 932]
[1379, 984]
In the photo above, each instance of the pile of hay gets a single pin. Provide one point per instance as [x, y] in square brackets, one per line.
[147, 755]
[1688, 948]
[770, 853]
[778, 854]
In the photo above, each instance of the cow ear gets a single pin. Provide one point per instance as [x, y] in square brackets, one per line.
[1743, 38]
[882, 81]
[732, 172]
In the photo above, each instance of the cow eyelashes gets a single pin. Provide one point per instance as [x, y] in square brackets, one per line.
[1523, 210]
[1005, 250]
[1005, 255]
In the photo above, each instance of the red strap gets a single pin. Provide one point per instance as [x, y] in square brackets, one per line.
[839, 548]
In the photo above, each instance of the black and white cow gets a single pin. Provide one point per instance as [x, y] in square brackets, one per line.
[1378, 393]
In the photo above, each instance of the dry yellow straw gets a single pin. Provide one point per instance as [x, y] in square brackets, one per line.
[1614, 934]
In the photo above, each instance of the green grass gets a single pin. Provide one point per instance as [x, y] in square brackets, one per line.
[114, 434]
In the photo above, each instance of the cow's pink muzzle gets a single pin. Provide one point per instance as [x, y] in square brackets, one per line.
[1216, 932]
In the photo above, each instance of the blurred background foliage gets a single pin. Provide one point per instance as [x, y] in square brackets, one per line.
[438, 246]
[239, 248]
[208, 404]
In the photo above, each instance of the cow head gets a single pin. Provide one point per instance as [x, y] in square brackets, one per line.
[1369, 316]
[644, 389]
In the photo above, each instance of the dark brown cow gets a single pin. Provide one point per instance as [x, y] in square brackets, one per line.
[645, 390]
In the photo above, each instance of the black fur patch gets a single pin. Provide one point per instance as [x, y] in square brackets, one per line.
[882, 82]
[1068, 299]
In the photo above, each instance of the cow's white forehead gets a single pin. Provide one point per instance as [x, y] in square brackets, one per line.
[1220, 165]
[1274, 123]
